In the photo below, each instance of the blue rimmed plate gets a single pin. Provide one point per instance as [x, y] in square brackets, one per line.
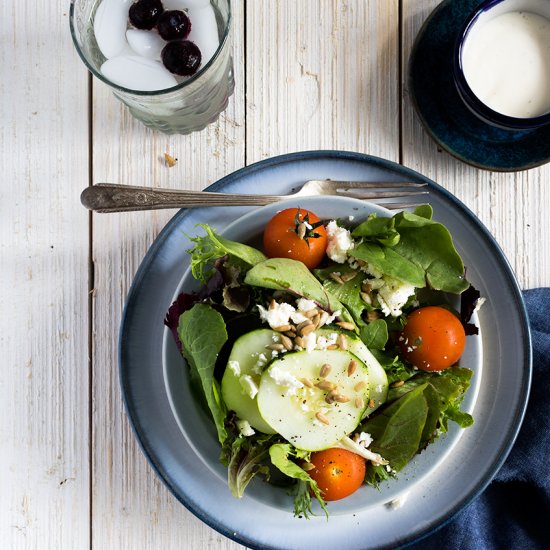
[178, 439]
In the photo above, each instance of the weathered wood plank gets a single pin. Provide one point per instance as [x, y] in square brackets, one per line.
[44, 470]
[322, 75]
[131, 507]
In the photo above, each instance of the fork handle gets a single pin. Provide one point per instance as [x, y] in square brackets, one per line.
[110, 197]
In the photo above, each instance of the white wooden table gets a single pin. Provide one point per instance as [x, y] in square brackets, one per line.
[311, 74]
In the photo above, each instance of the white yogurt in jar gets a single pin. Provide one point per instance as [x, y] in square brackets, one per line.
[506, 62]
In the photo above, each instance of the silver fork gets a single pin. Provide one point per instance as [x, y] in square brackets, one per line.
[110, 197]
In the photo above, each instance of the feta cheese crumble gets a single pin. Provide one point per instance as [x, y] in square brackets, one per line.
[339, 242]
[393, 296]
[248, 385]
[276, 316]
[364, 439]
[285, 379]
[234, 367]
[245, 429]
[303, 304]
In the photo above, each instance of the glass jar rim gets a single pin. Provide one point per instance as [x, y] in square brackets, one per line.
[150, 93]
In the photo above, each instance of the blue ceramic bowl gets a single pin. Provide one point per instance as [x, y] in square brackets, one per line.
[479, 108]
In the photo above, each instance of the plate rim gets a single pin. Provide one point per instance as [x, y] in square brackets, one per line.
[387, 165]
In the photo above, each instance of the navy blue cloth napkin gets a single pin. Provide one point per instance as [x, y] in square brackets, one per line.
[514, 511]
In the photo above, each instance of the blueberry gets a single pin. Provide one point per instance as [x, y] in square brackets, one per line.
[182, 57]
[174, 25]
[144, 14]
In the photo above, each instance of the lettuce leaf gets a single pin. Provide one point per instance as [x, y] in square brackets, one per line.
[245, 457]
[202, 334]
[279, 454]
[211, 246]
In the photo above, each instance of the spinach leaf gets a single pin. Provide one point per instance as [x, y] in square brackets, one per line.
[423, 255]
[415, 414]
[378, 229]
[429, 245]
[390, 262]
[202, 334]
[445, 393]
[375, 334]
[398, 428]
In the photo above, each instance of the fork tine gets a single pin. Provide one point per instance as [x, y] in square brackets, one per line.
[336, 185]
[400, 205]
[380, 194]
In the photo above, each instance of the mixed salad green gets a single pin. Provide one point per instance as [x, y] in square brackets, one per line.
[349, 355]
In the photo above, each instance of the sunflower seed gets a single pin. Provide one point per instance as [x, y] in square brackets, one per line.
[359, 403]
[332, 346]
[306, 382]
[342, 342]
[397, 384]
[339, 398]
[301, 230]
[311, 313]
[348, 276]
[372, 315]
[299, 342]
[282, 328]
[371, 403]
[330, 397]
[287, 342]
[326, 385]
[352, 367]
[302, 325]
[322, 418]
[275, 347]
[336, 277]
[324, 318]
[359, 386]
[365, 297]
[345, 325]
[325, 369]
[307, 329]
[308, 466]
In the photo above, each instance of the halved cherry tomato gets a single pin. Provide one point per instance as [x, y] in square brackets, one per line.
[286, 237]
[433, 338]
[338, 472]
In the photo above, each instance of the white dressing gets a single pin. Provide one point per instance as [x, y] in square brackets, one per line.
[506, 62]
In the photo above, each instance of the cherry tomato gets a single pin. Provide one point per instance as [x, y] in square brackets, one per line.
[338, 472]
[284, 238]
[433, 338]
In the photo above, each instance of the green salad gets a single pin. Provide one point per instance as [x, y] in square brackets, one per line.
[329, 358]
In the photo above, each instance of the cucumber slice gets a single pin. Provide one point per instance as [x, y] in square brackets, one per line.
[378, 380]
[243, 371]
[301, 414]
